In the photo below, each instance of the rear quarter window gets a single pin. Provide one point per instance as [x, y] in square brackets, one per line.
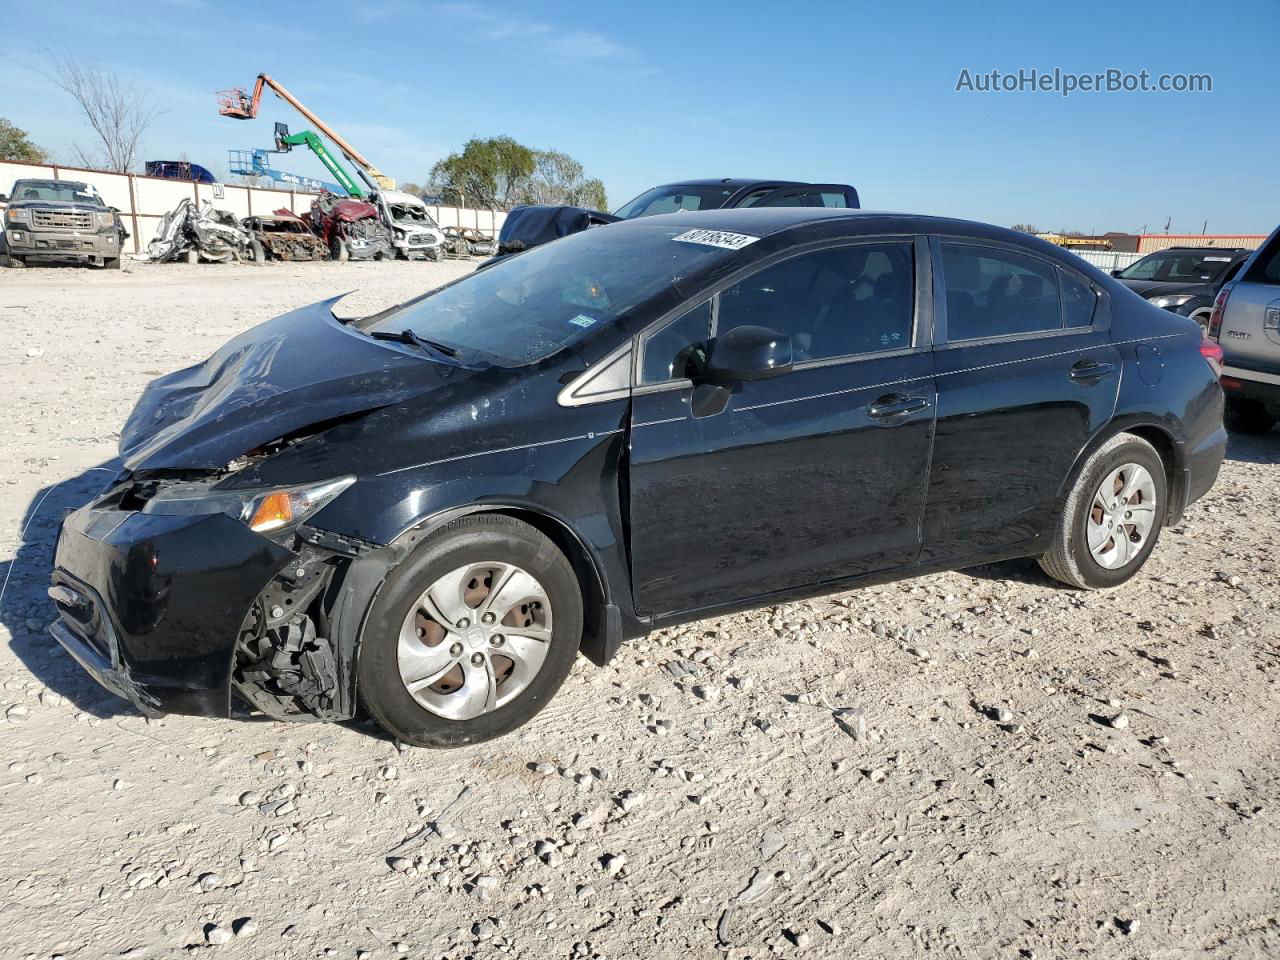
[1266, 268]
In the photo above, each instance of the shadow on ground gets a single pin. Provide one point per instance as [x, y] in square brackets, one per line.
[1255, 448]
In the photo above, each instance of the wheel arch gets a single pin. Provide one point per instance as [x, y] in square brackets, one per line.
[601, 624]
[1157, 433]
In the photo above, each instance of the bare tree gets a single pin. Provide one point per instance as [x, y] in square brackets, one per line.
[118, 114]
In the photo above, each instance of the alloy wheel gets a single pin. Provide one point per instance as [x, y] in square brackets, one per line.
[475, 639]
[1121, 516]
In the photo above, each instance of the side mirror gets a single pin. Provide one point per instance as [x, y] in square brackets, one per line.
[4, 198]
[748, 353]
[1116, 273]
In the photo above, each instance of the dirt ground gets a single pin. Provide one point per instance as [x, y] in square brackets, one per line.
[972, 765]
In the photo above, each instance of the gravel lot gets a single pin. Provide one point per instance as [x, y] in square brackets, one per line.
[974, 764]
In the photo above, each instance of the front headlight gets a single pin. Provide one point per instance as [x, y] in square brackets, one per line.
[21, 215]
[1170, 302]
[262, 510]
[106, 219]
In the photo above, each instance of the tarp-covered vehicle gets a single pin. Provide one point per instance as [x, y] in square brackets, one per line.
[350, 229]
[192, 233]
[286, 236]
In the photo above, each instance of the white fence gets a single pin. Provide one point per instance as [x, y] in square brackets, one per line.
[143, 200]
[1108, 260]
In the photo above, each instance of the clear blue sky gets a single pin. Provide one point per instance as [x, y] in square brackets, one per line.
[855, 92]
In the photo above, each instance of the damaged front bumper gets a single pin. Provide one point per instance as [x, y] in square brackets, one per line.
[152, 606]
[176, 613]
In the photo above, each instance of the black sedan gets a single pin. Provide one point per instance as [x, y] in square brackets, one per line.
[1184, 280]
[432, 510]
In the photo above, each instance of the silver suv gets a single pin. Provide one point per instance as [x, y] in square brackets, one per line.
[1246, 323]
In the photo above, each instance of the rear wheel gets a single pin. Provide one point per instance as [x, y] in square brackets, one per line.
[471, 635]
[1242, 415]
[1112, 516]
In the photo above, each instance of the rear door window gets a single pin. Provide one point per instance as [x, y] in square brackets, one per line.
[998, 293]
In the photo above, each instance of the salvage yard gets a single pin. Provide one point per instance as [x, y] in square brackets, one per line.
[978, 764]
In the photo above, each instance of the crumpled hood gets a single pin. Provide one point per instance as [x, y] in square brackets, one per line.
[293, 371]
[1166, 288]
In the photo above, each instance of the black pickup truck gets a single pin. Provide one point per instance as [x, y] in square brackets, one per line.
[57, 220]
[531, 226]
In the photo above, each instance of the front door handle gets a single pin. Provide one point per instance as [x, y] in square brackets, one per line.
[1090, 371]
[896, 406]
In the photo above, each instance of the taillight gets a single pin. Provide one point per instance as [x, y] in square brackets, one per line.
[1215, 318]
[1212, 353]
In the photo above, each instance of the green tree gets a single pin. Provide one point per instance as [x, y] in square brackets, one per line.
[489, 173]
[559, 179]
[16, 147]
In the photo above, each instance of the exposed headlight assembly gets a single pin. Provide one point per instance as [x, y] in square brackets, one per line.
[262, 510]
[1169, 302]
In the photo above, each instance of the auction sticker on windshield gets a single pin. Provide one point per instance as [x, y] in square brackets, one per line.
[717, 238]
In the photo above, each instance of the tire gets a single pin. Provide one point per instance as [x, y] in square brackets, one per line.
[111, 263]
[404, 606]
[338, 250]
[193, 256]
[1201, 317]
[256, 253]
[1070, 559]
[1242, 415]
[16, 261]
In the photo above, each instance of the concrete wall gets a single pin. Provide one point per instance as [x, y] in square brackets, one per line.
[143, 200]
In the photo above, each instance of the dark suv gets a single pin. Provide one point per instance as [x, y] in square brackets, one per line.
[60, 219]
[532, 226]
[1183, 279]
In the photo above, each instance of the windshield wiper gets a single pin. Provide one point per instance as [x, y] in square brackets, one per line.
[440, 352]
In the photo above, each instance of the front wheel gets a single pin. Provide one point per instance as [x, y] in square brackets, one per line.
[471, 635]
[338, 250]
[1112, 516]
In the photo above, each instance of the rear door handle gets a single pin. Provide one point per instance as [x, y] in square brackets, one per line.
[1089, 371]
[896, 406]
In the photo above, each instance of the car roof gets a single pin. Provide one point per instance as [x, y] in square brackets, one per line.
[766, 221]
[736, 182]
[1207, 249]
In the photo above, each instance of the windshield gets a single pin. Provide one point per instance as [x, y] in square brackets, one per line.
[1199, 266]
[411, 213]
[65, 191]
[669, 199]
[531, 305]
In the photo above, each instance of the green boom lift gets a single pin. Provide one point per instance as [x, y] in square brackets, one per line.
[286, 141]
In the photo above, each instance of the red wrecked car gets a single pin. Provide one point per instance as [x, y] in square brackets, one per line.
[351, 229]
